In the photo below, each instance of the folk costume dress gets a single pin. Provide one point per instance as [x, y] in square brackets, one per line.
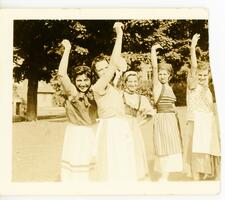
[202, 143]
[167, 136]
[115, 146]
[135, 105]
[78, 145]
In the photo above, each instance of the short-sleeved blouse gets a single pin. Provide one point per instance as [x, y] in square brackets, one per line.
[198, 98]
[135, 103]
[81, 110]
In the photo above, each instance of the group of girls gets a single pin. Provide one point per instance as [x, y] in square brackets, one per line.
[104, 141]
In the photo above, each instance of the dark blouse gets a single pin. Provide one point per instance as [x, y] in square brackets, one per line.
[81, 110]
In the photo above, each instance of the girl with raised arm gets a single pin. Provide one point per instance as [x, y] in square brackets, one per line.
[167, 136]
[81, 111]
[115, 148]
[202, 148]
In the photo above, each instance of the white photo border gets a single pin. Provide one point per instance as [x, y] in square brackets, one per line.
[50, 188]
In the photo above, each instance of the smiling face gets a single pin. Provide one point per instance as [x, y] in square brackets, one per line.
[82, 83]
[132, 83]
[203, 77]
[163, 76]
[101, 67]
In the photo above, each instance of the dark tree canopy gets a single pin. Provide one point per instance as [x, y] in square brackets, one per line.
[37, 43]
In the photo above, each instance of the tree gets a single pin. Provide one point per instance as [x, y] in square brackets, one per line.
[175, 38]
[173, 35]
[36, 42]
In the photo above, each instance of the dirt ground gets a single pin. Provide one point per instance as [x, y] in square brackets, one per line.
[37, 148]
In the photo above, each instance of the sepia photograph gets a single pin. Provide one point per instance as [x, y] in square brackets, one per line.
[114, 101]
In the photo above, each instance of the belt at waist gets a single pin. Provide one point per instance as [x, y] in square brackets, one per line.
[166, 108]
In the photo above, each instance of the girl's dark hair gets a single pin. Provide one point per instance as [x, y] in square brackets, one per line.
[97, 59]
[80, 70]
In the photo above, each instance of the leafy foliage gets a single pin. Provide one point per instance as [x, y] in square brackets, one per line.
[37, 43]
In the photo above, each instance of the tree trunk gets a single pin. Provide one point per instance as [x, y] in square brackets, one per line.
[32, 98]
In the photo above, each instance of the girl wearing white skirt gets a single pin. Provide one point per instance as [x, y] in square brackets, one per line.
[140, 112]
[76, 163]
[167, 136]
[115, 145]
[201, 144]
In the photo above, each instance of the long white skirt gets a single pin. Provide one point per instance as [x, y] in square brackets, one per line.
[77, 154]
[118, 156]
[170, 163]
[205, 136]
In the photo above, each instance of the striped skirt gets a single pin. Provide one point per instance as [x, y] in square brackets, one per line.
[167, 141]
[77, 154]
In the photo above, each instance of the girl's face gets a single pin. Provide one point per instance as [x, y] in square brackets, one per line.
[132, 83]
[82, 83]
[163, 76]
[203, 77]
[101, 67]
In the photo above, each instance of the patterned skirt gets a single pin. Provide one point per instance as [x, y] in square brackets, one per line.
[168, 143]
[77, 154]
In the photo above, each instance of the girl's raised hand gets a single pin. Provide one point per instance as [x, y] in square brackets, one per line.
[157, 46]
[118, 28]
[195, 39]
[122, 64]
[66, 44]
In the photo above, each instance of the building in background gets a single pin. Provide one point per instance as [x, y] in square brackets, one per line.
[45, 102]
